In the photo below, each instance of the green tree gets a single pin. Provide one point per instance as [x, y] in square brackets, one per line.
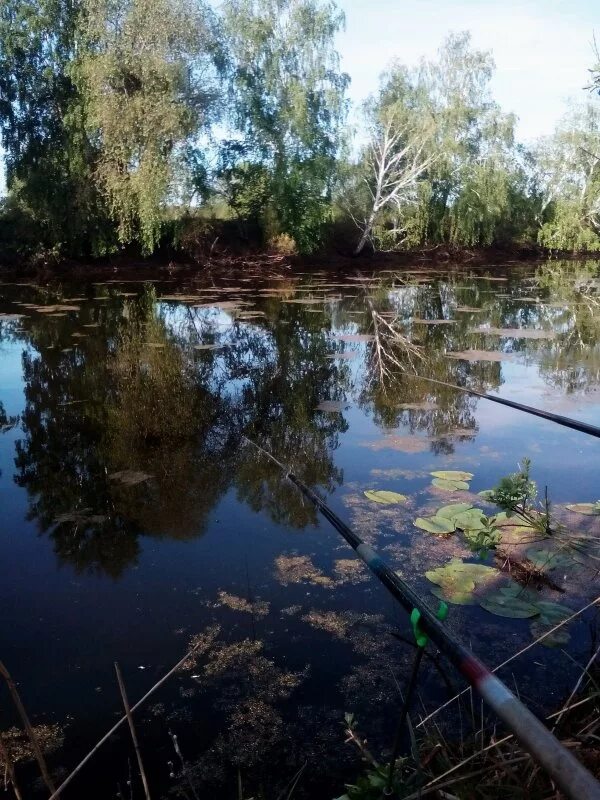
[47, 154]
[288, 106]
[148, 71]
[458, 144]
[568, 172]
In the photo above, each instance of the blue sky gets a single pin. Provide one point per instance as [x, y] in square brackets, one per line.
[542, 48]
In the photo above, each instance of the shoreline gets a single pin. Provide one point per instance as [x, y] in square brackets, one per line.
[166, 266]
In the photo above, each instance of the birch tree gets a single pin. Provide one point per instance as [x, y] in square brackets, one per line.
[395, 160]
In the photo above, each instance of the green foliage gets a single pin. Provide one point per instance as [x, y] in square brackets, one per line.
[49, 160]
[517, 491]
[288, 104]
[144, 72]
[109, 114]
[568, 165]
[474, 173]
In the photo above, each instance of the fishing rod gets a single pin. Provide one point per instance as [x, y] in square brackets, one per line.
[567, 422]
[571, 776]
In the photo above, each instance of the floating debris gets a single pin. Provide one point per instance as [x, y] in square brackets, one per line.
[480, 355]
[130, 477]
[258, 608]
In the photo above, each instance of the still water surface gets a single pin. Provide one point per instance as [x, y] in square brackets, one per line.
[133, 517]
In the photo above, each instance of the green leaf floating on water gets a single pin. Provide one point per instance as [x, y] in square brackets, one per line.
[448, 485]
[384, 497]
[590, 509]
[546, 559]
[456, 596]
[452, 475]
[471, 520]
[453, 510]
[514, 589]
[486, 493]
[438, 525]
[508, 605]
[553, 613]
[457, 581]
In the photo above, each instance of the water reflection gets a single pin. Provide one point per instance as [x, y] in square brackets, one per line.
[135, 400]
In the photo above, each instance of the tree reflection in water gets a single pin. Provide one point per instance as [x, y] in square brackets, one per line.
[161, 391]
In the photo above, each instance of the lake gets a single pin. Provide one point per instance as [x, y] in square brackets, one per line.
[135, 518]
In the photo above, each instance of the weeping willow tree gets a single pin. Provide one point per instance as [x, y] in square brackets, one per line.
[147, 72]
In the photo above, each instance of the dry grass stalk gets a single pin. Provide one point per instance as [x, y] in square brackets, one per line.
[134, 738]
[39, 756]
[118, 724]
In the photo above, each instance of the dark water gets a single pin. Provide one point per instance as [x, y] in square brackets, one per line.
[134, 518]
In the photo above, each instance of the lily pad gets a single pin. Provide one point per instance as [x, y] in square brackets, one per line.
[507, 605]
[590, 509]
[453, 510]
[452, 475]
[437, 525]
[553, 613]
[457, 581]
[487, 494]
[546, 559]
[456, 569]
[384, 497]
[450, 486]
[471, 520]
[456, 596]
[514, 589]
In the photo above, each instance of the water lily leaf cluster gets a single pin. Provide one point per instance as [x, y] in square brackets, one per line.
[458, 581]
[479, 530]
[469, 584]
[451, 480]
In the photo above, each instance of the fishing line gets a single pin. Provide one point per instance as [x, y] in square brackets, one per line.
[568, 773]
[567, 422]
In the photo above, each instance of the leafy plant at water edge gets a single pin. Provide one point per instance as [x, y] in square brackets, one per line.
[516, 492]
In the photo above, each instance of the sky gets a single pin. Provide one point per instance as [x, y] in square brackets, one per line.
[542, 48]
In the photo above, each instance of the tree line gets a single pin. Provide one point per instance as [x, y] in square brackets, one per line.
[147, 124]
